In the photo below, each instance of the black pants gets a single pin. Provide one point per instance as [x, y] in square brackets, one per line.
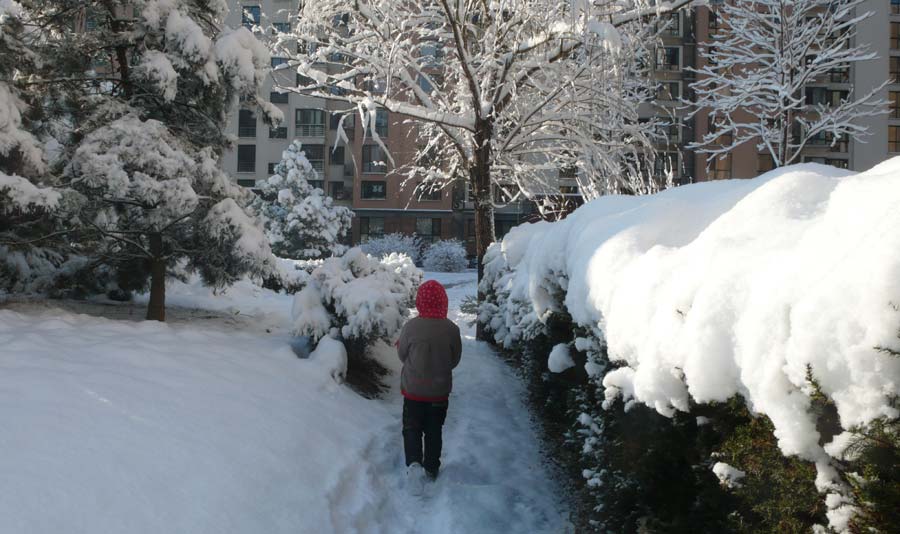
[423, 418]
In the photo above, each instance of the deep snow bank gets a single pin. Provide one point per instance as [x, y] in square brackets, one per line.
[722, 288]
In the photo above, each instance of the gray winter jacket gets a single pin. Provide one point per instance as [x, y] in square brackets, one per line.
[429, 349]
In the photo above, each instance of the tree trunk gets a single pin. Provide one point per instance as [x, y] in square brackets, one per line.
[156, 308]
[480, 178]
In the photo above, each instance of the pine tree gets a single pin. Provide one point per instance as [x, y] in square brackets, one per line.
[29, 207]
[301, 221]
[141, 89]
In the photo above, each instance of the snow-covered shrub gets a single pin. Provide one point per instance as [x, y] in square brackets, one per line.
[396, 243]
[362, 299]
[363, 296]
[447, 256]
[301, 221]
[693, 311]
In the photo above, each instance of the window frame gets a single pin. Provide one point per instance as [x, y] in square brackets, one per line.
[365, 189]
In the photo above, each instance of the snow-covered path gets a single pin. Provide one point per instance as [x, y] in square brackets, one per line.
[492, 478]
[210, 423]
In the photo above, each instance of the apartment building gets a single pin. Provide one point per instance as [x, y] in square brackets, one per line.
[881, 32]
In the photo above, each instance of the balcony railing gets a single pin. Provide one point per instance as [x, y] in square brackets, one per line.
[310, 130]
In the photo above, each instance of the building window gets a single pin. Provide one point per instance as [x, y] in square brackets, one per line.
[279, 132]
[764, 163]
[569, 190]
[895, 7]
[250, 16]
[310, 122]
[428, 229]
[431, 54]
[839, 75]
[671, 24]
[243, 182]
[822, 95]
[381, 122]
[337, 156]
[827, 139]
[281, 27]
[721, 168]
[668, 58]
[723, 139]
[895, 69]
[428, 192]
[246, 158]
[893, 138]
[894, 100]
[276, 97]
[276, 61]
[246, 123]
[713, 24]
[317, 184]
[374, 86]
[370, 228]
[373, 159]
[270, 168]
[372, 190]
[895, 36]
[336, 190]
[664, 164]
[316, 156]
[668, 91]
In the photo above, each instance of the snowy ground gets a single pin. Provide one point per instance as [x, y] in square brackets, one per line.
[210, 424]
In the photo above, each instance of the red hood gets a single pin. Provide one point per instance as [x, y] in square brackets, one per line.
[431, 300]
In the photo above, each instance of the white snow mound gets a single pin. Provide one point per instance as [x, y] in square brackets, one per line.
[726, 288]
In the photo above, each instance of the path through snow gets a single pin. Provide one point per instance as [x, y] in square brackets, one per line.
[493, 479]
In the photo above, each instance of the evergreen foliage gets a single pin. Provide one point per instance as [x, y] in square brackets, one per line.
[301, 221]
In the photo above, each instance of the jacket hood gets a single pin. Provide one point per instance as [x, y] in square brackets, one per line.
[431, 300]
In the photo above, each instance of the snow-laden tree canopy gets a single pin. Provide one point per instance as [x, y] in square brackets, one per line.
[150, 197]
[133, 96]
[301, 221]
[755, 83]
[503, 93]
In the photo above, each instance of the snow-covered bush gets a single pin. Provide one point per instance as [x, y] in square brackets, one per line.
[771, 285]
[363, 296]
[301, 221]
[396, 243]
[445, 257]
[360, 299]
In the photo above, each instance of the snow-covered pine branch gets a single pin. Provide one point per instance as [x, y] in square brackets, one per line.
[301, 221]
[757, 68]
[505, 92]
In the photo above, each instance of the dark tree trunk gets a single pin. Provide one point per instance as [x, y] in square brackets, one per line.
[480, 178]
[156, 308]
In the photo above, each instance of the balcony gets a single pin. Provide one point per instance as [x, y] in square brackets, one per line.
[310, 130]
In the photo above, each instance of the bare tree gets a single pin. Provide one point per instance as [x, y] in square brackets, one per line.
[759, 66]
[502, 93]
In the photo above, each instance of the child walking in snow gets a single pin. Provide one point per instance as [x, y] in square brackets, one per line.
[429, 347]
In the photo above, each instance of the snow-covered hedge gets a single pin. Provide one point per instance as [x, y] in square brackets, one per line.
[396, 243]
[771, 289]
[445, 257]
[366, 298]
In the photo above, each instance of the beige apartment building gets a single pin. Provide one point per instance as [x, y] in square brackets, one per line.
[359, 175]
[679, 50]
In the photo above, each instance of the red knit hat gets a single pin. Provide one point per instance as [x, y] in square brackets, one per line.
[431, 300]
